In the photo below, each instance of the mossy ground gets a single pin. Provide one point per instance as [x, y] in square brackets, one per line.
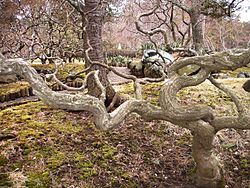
[203, 94]
[13, 87]
[207, 94]
[234, 73]
[56, 148]
[63, 71]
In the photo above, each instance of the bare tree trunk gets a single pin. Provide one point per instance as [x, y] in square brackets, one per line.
[94, 32]
[196, 22]
[197, 31]
[208, 169]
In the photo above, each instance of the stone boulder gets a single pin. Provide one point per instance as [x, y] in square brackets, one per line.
[136, 68]
[246, 86]
[152, 70]
[152, 64]
[243, 75]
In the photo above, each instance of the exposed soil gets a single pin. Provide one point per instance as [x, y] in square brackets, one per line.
[18, 101]
[115, 79]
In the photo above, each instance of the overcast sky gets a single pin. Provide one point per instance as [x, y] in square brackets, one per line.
[245, 12]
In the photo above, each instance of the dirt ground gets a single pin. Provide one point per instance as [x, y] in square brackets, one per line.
[115, 79]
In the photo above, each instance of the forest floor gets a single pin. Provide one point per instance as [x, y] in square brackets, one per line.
[115, 79]
[43, 147]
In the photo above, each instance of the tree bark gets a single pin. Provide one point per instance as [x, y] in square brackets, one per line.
[196, 23]
[208, 169]
[94, 35]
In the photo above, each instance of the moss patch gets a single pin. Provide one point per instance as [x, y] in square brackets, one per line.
[63, 71]
[13, 87]
[38, 180]
[3, 160]
[237, 71]
[5, 181]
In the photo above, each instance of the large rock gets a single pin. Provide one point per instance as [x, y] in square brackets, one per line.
[160, 57]
[246, 86]
[243, 75]
[152, 70]
[136, 68]
[152, 64]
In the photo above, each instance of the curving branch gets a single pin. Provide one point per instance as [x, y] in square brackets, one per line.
[226, 60]
[168, 100]
[240, 108]
[101, 87]
[200, 119]
[78, 5]
[102, 119]
[181, 6]
[154, 31]
[170, 109]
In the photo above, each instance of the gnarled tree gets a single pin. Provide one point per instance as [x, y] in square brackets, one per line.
[92, 13]
[201, 120]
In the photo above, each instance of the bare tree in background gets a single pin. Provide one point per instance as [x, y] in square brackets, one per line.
[39, 30]
[198, 9]
[51, 29]
[221, 34]
[192, 17]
